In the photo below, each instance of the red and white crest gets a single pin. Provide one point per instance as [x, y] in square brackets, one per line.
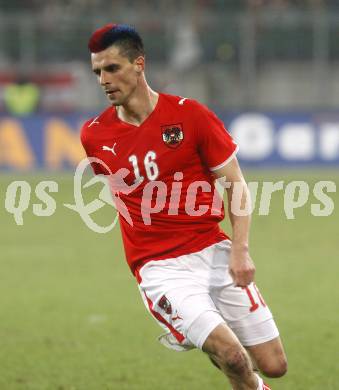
[165, 304]
[172, 135]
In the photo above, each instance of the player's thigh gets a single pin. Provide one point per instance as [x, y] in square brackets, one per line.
[221, 340]
[225, 350]
[246, 313]
[182, 306]
[269, 357]
[186, 316]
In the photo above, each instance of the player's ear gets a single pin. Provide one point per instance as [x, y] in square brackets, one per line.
[140, 64]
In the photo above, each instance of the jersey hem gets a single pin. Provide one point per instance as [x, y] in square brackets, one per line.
[135, 268]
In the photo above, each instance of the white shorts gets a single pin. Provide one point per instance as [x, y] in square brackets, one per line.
[191, 295]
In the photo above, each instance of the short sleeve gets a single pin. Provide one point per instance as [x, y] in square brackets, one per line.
[215, 145]
[88, 146]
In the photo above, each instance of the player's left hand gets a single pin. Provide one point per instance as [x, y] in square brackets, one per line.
[241, 267]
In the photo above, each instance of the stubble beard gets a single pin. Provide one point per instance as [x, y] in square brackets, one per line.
[116, 103]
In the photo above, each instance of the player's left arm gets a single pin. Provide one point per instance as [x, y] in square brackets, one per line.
[241, 265]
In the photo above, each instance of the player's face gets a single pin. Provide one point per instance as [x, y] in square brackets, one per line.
[118, 77]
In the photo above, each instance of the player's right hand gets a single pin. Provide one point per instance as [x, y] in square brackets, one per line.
[241, 267]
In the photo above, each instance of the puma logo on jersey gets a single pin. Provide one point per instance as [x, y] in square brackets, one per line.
[110, 149]
[177, 317]
[182, 101]
[94, 122]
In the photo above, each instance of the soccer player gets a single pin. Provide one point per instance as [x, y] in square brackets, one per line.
[196, 282]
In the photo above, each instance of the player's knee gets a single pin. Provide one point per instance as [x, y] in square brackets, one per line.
[233, 359]
[274, 368]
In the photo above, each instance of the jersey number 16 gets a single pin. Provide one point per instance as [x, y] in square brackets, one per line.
[151, 168]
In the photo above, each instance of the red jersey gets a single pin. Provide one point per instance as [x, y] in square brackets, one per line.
[170, 158]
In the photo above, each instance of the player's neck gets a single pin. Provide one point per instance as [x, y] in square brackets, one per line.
[139, 106]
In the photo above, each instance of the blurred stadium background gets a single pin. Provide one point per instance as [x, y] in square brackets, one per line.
[260, 54]
[70, 315]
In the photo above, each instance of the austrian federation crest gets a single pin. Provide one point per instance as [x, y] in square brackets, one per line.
[165, 304]
[172, 135]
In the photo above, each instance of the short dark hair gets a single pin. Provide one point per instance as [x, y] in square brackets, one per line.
[122, 35]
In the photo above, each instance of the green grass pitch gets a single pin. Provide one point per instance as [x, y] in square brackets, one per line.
[71, 317]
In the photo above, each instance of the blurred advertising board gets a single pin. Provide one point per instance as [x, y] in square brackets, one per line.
[51, 142]
[40, 141]
[286, 140]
